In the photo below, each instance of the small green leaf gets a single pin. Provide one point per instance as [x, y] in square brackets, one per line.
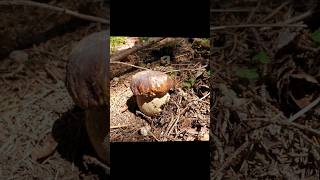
[250, 74]
[316, 36]
[189, 83]
[171, 72]
[262, 57]
[116, 41]
[209, 73]
[186, 85]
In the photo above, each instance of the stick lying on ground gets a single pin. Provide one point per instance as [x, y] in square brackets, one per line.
[122, 54]
[50, 7]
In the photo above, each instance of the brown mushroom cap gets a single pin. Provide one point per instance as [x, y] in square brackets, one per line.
[151, 83]
[87, 71]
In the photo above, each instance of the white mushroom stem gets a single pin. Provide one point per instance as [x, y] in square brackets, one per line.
[151, 106]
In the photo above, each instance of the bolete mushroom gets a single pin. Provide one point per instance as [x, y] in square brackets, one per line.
[87, 82]
[151, 89]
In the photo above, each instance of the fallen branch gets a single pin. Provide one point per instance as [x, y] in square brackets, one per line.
[274, 11]
[278, 121]
[255, 25]
[177, 70]
[122, 54]
[128, 64]
[229, 10]
[119, 126]
[304, 110]
[175, 121]
[298, 18]
[50, 7]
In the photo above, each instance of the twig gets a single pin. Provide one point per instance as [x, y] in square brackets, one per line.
[153, 136]
[196, 69]
[204, 96]
[50, 7]
[231, 158]
[229, 10]
[176, 120]
[92, 160]
[274, 11]
[128, 64]
[256, 25]
[145, 116]
[287, 123]
[119, 126]
[139, 67]
[304, 110]
[122, 54]
[298, 18]
[253, 11]
[50, 73]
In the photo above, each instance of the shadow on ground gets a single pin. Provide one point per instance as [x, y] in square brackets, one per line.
[73, 143]
[132, 105]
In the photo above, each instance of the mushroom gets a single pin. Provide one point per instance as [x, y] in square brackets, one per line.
[87, 82]
[151, 90]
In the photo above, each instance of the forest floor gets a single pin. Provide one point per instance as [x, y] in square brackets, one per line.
[186, 116]
[36, 112]
[265, 118]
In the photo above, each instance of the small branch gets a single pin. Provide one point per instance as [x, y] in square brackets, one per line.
[256, 25]
[253, 11]
[304, 110]
[139, 67]
[50, 7]
[274, 120]
[298, 18]
[128, 64]
[122, 54]
[229, 10]
[119, 126]
[196, 69]
[92, 160]
[175, 122]
[204, 96]
[275, 11]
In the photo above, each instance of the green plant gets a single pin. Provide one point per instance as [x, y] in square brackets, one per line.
[116, 41]
[189, 83]
[171, 72]
[206, 40]
[315, 36]
[209, 73]
[262, 57]
[247, 73]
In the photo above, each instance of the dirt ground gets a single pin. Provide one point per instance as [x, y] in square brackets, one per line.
[186, 116]
[36, 108]
[265, 77]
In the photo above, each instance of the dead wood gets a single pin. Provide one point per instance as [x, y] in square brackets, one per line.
[122, 54]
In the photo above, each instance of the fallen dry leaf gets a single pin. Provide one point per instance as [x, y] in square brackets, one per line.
[303, 102]
[306, 77]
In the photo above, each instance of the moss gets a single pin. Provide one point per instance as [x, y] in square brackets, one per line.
[116, 41]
